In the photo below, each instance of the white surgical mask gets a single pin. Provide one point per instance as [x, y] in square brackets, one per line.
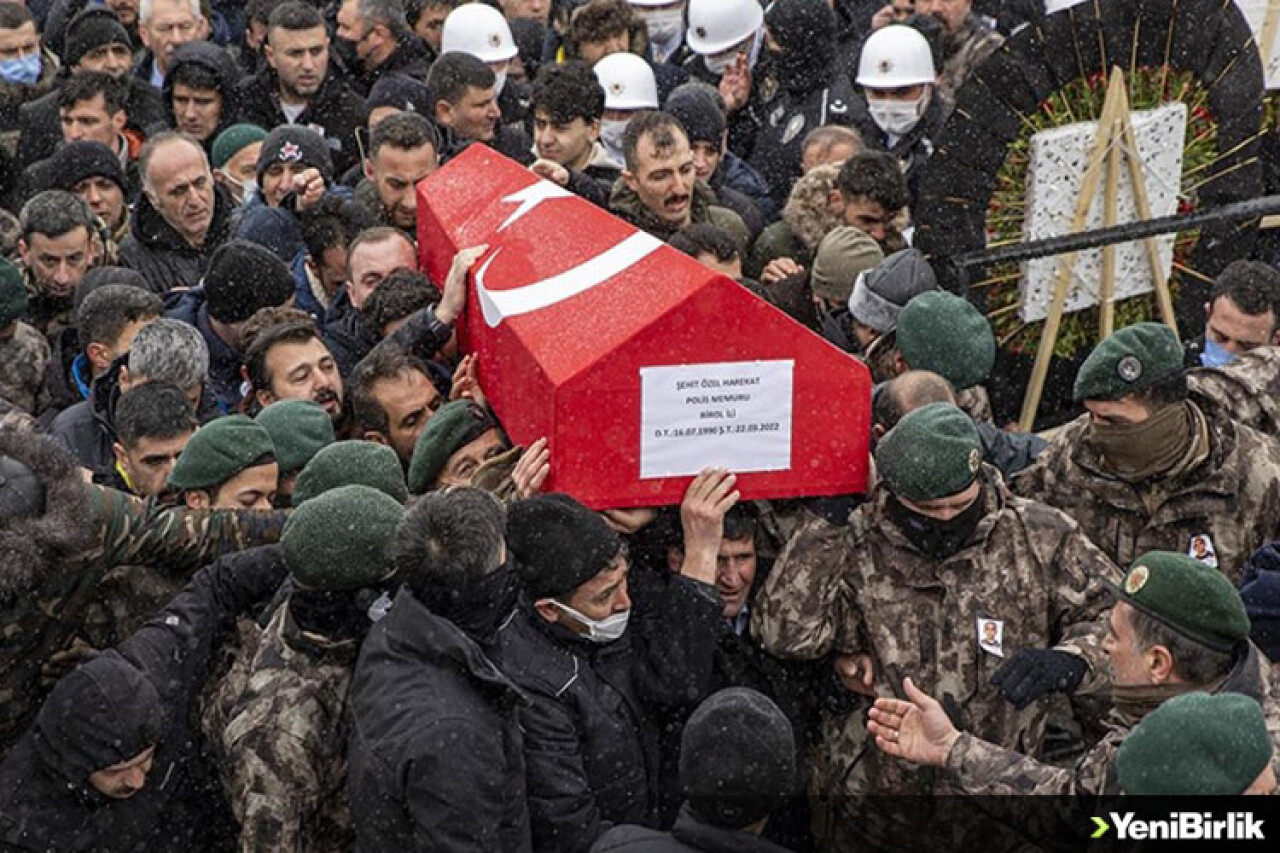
[666, 30]
[599, 631]
[611, 131]
[897, 118]
[720, 63]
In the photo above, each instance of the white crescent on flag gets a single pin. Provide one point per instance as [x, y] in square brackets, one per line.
[498, 305]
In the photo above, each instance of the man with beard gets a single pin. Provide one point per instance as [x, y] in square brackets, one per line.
[659, 191]
[284, 359]
[287, 736]
[58, 537]
[403, 149]
[1148, 468]
[153, 424]
[1177, 627]
[111, 762]
[57, 249]
[299, 85]
[392, 399]
[374, 39]
[436, 751]
[181, 218]
[967, 40]
[243, 278]
[940, 548]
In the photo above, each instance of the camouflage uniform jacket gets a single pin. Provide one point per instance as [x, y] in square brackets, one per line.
[36, 627]
[1233, 497]
[965, 51]
[46, 313]
[23, 359]
[982, 769]
[1247, 389]
[286, 742]
[866, 589]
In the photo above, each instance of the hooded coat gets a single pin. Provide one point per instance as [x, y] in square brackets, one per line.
[810, 92]
[162, 255]
[217, 61]
[117, 705]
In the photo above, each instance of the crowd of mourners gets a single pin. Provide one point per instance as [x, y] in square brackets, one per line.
[274, 576]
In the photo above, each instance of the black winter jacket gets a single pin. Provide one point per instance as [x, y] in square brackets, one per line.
[137, 695]
[436, 757]
[593, 726]
[162, 255]
[689, 835]
[336, 112]
[42, 125]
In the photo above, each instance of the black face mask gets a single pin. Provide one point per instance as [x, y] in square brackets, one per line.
[346, 50]
[336, 614]
[938, 539]
[480, 608]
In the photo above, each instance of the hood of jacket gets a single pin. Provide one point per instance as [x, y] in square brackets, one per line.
[808, 210]
[103, 713]
[218, 62]
[155, 234]
[805, 32]
[30, 546]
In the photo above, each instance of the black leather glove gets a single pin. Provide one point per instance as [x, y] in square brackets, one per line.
[1032, 674]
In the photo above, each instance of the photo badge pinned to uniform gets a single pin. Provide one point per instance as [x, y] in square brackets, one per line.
[991, 636]
[1202, 549]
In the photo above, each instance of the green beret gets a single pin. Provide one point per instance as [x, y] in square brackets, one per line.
[346, 463]
[13, 294]
[220, 450]
[299, 429]
[232, 141]
[452, 428]
[1129, 362]
[1187, 596]
[933, 452]
[943, 333]
[340, 539]
[1195, 745]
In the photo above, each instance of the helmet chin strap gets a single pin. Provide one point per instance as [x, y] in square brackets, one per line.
[21, 492]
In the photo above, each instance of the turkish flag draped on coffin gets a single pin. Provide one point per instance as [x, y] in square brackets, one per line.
[638, 364]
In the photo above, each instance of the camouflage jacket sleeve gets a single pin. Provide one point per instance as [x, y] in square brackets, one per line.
[1079, 594]
[807, 609]
[997, 776]
[132, 531]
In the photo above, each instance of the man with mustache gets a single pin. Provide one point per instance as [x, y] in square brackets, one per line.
[285, 359]
[659, 191]
[57, 250]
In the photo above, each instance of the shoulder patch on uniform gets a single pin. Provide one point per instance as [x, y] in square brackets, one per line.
[975, 460]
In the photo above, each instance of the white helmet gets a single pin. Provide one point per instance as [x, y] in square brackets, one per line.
[895, 57]
[628, 82]
[717, 25]
[479, 30]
